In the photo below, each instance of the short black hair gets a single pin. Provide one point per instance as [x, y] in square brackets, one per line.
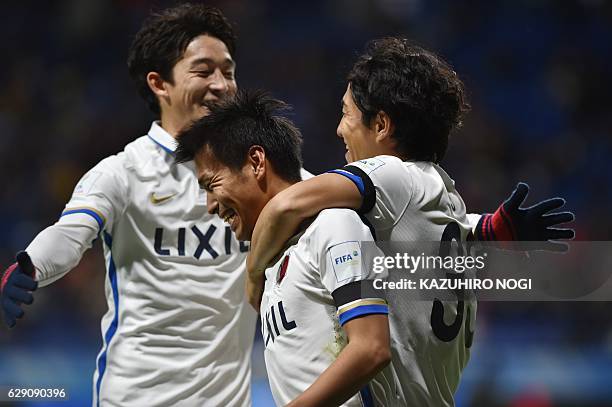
[161, 42]
[420, 92]
[250, 118]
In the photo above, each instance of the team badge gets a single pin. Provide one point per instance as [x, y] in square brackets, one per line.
[282, 270]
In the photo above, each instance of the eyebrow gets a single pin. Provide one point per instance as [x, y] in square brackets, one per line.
[342, 104]
[226, 61]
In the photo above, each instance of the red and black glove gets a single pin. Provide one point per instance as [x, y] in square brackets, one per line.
[533, 224]
[16, 288]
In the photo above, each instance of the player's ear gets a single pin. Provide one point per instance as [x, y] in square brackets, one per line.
[383, 126]
[257, 161]
[157, 84]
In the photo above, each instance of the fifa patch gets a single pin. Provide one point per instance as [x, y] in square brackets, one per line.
[345, 260]
[87, 182]
[369, 165]
[282, 270]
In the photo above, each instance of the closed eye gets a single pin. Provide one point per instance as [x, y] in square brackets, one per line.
[204, 74]
[205, 185]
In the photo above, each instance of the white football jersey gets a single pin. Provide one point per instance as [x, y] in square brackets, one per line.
[320, 282]
[417, 202]
[178, 331]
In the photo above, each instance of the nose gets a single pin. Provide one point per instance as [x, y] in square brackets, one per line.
[219, 82]
[212, 204]
[339, 131]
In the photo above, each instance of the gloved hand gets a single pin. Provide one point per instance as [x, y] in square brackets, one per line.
[512, 223]
[16, 288]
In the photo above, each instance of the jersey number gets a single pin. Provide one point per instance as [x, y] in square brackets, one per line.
[443, 332]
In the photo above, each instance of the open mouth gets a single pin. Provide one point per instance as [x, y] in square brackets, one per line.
[208, 104]
[230, 216]
[212, 102]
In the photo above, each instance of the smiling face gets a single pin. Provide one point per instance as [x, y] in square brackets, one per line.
[233, 195]
[204, 75]
[359, 138]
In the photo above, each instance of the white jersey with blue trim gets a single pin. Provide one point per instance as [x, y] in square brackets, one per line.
[417, 202]
[178, 330]
[316, 286]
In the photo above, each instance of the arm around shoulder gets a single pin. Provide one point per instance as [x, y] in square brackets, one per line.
[281, 217]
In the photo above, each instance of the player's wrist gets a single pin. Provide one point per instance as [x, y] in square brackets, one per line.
[502, 225]
[254, 270]
[496, 227]
[256, 276]
[6, 274]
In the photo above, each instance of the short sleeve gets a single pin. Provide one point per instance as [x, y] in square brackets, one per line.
[385, 185]
[101, 193]
[346, 254]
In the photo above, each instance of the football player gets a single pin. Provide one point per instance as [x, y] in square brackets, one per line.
[178, 330]
[400, 106]
[245, 154]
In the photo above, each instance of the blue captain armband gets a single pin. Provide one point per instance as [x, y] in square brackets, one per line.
[363, 183]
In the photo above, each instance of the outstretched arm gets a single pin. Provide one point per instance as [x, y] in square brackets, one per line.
[282, 216]
[96, 200]
[54, 252]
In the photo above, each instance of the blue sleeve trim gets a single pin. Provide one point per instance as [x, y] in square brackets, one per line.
[362, 310]
[89, 212]
[108, 240]
[356, 180]
[366, 396]
[112, 328]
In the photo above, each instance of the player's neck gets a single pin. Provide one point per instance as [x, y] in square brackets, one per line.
[276, 185]
[387, 146]
[171, 124]
[388, 149]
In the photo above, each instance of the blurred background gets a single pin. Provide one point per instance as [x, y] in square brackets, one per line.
[539, 76]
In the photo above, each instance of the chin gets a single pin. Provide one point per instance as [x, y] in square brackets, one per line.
[243, 236]
[242, 233]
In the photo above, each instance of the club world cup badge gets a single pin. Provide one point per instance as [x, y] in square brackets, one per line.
[282, 270]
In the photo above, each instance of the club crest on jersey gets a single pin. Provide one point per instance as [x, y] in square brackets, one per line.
[282, 270]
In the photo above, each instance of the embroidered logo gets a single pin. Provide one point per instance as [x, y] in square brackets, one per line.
[156, 200]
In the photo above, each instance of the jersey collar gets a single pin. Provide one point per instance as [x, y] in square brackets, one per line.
[162, 138]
